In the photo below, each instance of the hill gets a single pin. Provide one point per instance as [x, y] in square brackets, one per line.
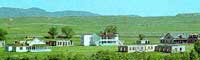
[6, 12]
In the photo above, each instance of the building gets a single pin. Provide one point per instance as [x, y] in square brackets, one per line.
[170, 48]
[174, 38]
[16, 48]
[143, 42]
[96, 40]
[28, 46]
[2, 43]
[60, 43]
[137, 48]
[38, 46]
[86, 39]
[193, 38]
[20, 49]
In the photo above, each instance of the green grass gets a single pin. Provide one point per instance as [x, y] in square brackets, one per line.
[128, 28]
[86, 50]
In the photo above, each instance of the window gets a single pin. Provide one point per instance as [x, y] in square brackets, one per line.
[103, 42]
[21, 48]
[180, 49]
[141, 47]
[176, 49]
[124, 49]
[133, 48]
[121, 49]
[109, 41]
[151, 47]
[130, 48]
[67, 43]
[60, 43]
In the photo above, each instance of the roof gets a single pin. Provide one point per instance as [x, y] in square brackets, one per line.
[35, 41]
[170, 45]
[176, 35]
[39, 45]
[142, 45]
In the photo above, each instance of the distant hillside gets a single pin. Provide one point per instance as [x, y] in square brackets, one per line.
[36, 12]
[188, 14]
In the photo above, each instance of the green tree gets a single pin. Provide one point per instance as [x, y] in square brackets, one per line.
[197, 47]
[2, 34]
[193, 55]
[53, 32]
[141, 36]
[111, 29]
[68, 32]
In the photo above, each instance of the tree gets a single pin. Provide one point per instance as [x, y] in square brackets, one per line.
[2, 34]
[111, 29]
[193, 55]
[197, 47]
[141, 36]
[68, 32]
[53, 32]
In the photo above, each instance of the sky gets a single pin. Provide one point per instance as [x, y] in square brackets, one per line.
[112, 7]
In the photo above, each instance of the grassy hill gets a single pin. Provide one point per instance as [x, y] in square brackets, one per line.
[128, 27]
[37, 12]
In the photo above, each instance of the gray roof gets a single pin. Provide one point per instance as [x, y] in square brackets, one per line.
[176, 35]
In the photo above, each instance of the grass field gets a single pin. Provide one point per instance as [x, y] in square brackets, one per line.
[128, 28]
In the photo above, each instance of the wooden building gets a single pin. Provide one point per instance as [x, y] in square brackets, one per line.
[136, 48]
[60, 43]
[170, 48]
[193, 38]
[174, 38]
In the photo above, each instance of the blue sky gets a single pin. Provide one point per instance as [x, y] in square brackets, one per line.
[112, 7]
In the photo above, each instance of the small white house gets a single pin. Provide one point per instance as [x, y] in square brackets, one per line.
[28, 46]
[20, 49]
[170, 48]
[143, 42]
[136, 48]
[64, 43]
[60, 43]
[16, 48]
[2, 43]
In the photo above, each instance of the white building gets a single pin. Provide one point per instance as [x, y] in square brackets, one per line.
[20, 49]
[95, 40]
[170, 48]
[136, 48]
[86, 40]
[28, 46]
[143, 42]
[2, 43]
[16, 48]
[60, 43]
